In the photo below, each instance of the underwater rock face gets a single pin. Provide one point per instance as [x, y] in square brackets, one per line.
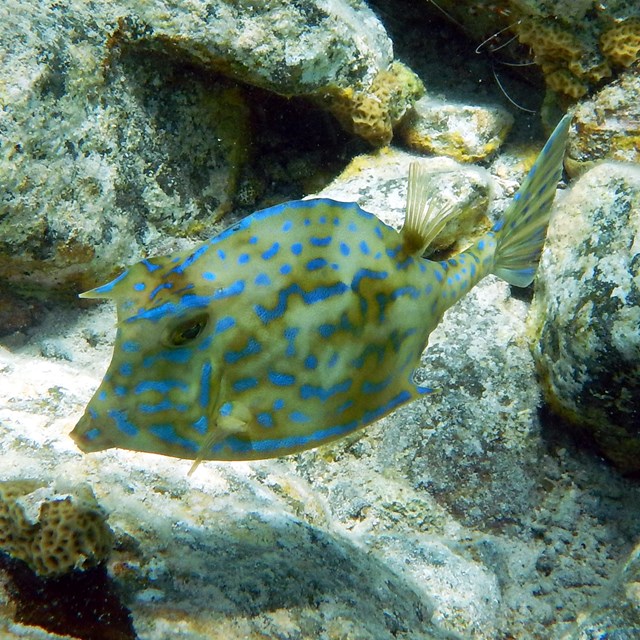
[586, 311]
[462, 132]
[124, 126]
[616, 616]
[607, 125]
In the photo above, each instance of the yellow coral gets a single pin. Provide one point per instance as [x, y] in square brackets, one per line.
[621, 43]
[549, 42]
[70, 531]
[563, 81]
[567, 62]
[372, 113]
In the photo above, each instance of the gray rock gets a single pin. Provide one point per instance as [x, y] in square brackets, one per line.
[463, 132]
[124, 126]
[586, 311]
[616, 615]
[607, 126]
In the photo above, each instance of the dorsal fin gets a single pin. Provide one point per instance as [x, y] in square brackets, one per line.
[425, 216]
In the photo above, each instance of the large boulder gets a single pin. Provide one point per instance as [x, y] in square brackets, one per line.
[127, 125]
[585, 315]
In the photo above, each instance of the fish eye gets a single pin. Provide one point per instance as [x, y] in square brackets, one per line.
[187, 331]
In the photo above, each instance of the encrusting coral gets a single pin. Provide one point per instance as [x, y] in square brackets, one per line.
[560, 55]
[53, 533]
[575, 60]
[621, 43]
[373, 113]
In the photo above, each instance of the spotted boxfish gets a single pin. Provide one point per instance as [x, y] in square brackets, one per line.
[298, 325]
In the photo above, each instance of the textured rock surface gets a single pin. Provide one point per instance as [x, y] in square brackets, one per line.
[126, 125]
[586, 311]
[464, 133]
[607, 125]
[617, 614]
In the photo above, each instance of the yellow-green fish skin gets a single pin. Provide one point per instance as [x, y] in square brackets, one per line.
[300, 324]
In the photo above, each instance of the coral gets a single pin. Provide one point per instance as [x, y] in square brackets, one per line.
[69, 532]
[372, 113]
[566, 61]
[577, 45]
[621, 43]
[563, 81]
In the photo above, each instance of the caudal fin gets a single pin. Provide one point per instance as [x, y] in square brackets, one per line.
[521, 233]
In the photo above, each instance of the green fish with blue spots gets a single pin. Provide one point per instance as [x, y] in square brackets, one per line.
[296, 326]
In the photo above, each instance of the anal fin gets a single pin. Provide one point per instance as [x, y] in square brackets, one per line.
[233, 418]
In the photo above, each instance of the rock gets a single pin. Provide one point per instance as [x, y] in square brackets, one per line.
[616, 615]
[607, 126]
[585, 316]
[127, 125]
[462, 132]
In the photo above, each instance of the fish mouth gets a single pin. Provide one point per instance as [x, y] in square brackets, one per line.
[88, 436]
[96, 432]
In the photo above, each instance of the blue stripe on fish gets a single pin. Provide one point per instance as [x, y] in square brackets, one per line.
[316, 263]
[299, 416]
[309, 297]
[281, 379]
[168, 433]
[121, 421]
[161, 386]
[252, 348]
[272, 252]
[205, 384]
[320, 242]
[310, 391]
[244, 384]
[290, 334]
[224, 324]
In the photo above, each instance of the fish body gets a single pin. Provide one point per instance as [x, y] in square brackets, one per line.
[296, 326]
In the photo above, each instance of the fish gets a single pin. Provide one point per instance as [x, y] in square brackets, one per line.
[298, 325]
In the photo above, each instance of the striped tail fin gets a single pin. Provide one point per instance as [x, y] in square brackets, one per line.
[521, 232]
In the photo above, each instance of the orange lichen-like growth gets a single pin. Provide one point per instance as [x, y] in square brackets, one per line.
[621, 43]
